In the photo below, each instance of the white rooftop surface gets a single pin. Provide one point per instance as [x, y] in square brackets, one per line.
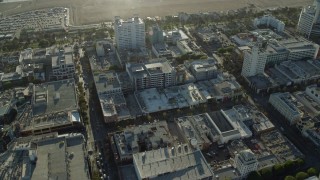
[77, 164]
[173, 97]
[54, 96]
[175, 93]
[157, 134]
[75, 117]
[181, 33]
[198, 127]
[261, 122]
[231, 114]
[172, 163]
[154, 101]
[54, 161]
[192, 94]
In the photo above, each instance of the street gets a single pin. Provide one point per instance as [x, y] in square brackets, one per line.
[97, 130]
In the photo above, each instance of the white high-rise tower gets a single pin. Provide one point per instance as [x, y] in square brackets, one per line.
[309, 21]
[129, 34]
[254, 62]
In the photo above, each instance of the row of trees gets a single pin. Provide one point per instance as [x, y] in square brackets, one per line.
[82, 103]
[303, 175]
[228, 49]
[192, 56]
[283, 170]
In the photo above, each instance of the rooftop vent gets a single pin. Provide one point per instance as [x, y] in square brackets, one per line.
[57, 96]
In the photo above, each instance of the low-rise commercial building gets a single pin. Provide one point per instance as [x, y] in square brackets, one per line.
[62, 64]
[299, 71]
[53, 156]
[223, 126]
[140, 55]
[183, 75]
[309, 99]
[203, 70]
[181, 162]
[314, 92]
[269, 20]
[222, 130]
[151, 75]
[187, 47]
[287, 105]
[112, 101]
[160, 50]
[251, 117]
[222, 88]
[198, 130]
[207, 35]
[5, 115]
[172, 37]
[154, 100]
[285, 74]
[54, 109]
[246, 162]
[311, 130]
[141, 138]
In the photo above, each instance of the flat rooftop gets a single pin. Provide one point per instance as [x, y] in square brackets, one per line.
[113, 104]
[135, 20]
[197, 127]
[297, 44]
[52, 120]
[311, 106]
[222, 123]
[296, 70]
[106, 81]
[143, 70]
[277, 77]
[54, 96]
[260, 81]
[240, 114]
[59, 157]
[143, 137]
[180, 162]
[226, 173]
[289, 100]
[62, 59]
[153, 100]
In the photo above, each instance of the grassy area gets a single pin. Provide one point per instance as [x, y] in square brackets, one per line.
[34, 45]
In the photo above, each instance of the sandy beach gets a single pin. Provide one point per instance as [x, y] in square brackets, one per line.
[91, 11]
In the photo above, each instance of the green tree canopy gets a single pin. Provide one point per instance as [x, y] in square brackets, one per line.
[254, 175]
[299, 161]
[289, 165]
[289, 178]
[266, 173]
[313, 171]
[278, 169]
[44, 43]
[301, 175]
